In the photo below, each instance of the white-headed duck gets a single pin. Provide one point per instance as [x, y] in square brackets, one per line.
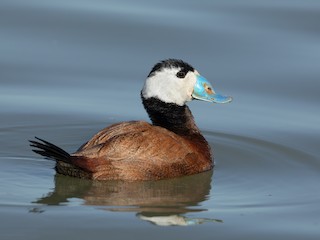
[172, 146]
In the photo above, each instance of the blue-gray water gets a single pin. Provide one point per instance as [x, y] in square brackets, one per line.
[69, 68]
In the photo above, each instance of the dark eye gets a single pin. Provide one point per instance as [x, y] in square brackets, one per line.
[181, 74]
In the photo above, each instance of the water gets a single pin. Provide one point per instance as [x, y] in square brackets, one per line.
[69, 68]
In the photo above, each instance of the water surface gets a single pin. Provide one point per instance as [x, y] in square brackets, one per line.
[68, 69]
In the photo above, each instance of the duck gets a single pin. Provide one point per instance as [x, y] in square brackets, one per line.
[170, 146]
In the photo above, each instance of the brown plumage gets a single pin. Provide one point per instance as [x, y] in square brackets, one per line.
[170, 147]
[137, 150]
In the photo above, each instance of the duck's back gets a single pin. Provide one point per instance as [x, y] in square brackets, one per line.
[136, 151]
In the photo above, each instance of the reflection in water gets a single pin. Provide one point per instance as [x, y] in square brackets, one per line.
[161, 202]
[176, 220]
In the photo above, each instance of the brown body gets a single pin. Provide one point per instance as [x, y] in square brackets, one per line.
[138, 151]
[170, 147]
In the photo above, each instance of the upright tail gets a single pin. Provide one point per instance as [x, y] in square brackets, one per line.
[49, 150]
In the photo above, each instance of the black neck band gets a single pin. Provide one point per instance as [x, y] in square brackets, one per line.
[171, 116]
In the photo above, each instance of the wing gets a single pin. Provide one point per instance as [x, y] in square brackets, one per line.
[136, 150]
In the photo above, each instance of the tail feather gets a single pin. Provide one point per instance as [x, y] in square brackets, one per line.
[49, 150]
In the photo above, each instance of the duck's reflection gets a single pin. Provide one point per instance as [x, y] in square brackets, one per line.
[160, 202]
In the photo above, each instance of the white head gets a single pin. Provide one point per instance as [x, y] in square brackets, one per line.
[171, 81]
[175, 81]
